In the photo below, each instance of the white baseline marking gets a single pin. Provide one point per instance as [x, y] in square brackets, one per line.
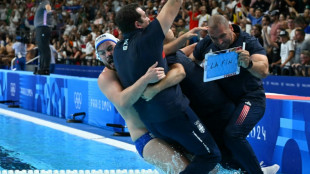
[69, 130]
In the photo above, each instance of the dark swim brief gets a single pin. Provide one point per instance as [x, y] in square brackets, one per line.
[142, 141]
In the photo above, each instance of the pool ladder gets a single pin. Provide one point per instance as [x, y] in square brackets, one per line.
[115, 171]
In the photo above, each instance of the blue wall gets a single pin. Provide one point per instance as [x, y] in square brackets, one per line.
[287, 85]
[59, 96]
[283, 136]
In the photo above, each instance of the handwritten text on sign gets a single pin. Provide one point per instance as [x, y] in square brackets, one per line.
[221, 65]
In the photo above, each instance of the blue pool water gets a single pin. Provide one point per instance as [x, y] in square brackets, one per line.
[26, 145]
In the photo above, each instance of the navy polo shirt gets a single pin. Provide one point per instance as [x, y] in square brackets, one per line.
[244, 85]
[132, 58]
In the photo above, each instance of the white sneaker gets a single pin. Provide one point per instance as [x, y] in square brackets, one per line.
[270, 169]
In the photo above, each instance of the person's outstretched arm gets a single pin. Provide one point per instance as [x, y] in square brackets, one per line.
[175, 45]
[168, 14]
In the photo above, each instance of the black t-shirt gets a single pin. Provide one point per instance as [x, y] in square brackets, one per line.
[132, 58]
[244, 85]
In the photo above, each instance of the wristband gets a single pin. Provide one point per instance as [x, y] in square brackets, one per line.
[250, 65]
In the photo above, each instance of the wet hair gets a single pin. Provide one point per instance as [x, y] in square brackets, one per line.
[126, 17]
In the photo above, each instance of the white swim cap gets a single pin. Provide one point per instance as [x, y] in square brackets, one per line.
[103, 38]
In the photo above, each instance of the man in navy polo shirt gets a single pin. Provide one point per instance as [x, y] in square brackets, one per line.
[245, 90]
[167, 115]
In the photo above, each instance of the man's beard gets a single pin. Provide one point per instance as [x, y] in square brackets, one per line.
[110, 62]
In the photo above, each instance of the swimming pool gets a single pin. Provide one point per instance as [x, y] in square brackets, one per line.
[27, 145]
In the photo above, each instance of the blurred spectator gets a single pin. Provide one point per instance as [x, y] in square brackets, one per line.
[283, 20]
[99, 19]
[257, 33]
[69, 27]
[174, 30]
[266, 29]
[112, 29]
[303, 69]
[31, 50]
[215, 8]
[282, 5]
[14, 20]
[192, 14]
[203, 16]
[275, 58]
[66, 47]
[258, 15]
[287, 52]
[262, 4]
[93, 31]
[3, 27]
[181, 26]
[302, 5]
[89, 50]
[305, 57]
[245, 27]
[7, 51]
[203, 33]
[77, 53]
[54, 55]
[291, 27]
[300, 22]
[3, 11]
[20, 49]
[298, 39]
[306, 14]
[230, 6]
[274, 17]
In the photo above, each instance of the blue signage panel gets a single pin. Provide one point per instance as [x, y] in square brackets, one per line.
[42, 94]
[3, 85]
[287, 85]
[13, 86]
[57, 96]
[77, 100]
[27, 91]
[101, 110]
[283, 136]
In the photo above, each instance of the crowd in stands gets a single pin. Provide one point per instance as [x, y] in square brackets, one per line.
[281, 26]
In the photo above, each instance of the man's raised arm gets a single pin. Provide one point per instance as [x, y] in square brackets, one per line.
[168, 14]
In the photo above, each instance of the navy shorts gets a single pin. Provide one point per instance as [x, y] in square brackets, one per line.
[142, 141]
